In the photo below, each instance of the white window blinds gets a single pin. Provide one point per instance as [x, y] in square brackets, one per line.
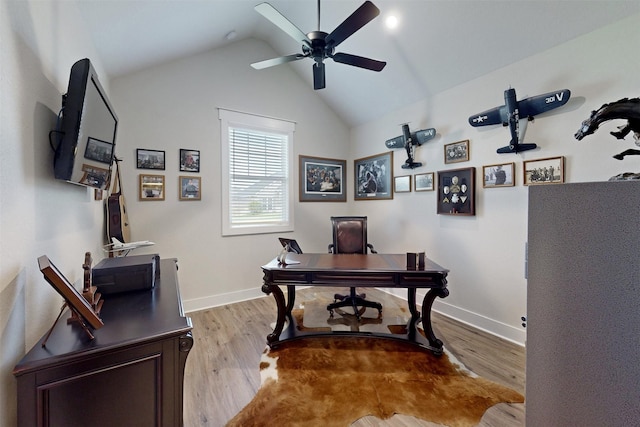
[257, 169]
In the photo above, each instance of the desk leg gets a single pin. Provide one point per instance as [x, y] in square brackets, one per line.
[269, 288]
[426, 316]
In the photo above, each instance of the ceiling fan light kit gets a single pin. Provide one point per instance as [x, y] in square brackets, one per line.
[319, 45]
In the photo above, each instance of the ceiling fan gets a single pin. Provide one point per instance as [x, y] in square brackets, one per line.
[319, 45]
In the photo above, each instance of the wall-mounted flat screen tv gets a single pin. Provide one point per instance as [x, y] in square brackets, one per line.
[87, 130]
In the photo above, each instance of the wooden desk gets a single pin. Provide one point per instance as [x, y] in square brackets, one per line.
[373, 270]
[130, 374]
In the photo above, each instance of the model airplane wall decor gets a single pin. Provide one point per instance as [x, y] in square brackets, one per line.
[408, 141]
[118, 246]
[513, 110]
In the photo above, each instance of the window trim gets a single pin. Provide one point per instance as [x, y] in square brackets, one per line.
[230, 118]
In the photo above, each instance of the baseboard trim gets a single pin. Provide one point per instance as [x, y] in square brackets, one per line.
[490, 326]
[478, 321]
[198, 304]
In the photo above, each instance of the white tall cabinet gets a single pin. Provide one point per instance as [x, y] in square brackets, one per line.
[583, 305]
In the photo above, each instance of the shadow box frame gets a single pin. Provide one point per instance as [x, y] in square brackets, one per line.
[529, 166]
[308, 192]
[183, 181]
[457, 192]
[378, 168]
[148, 183]
[489, 170]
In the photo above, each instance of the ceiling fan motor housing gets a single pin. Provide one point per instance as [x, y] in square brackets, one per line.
[319, 49]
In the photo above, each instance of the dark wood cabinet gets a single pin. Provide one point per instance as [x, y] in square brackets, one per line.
[130, 374]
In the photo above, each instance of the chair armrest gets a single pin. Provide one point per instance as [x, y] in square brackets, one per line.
[370, 246]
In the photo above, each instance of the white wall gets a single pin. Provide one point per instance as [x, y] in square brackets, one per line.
[38, 215]
[175, 106]
[486, 253]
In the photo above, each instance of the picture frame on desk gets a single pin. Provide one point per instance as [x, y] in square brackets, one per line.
[68, 292]
[322, 179]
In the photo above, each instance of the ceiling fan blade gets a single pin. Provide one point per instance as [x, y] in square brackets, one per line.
[358, 19]
[277, 61]
[359, 61]
[269, 12]
[318, 76]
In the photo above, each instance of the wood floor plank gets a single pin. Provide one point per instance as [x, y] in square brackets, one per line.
[222, 372]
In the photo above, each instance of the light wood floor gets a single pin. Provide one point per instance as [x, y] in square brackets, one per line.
[222, 371]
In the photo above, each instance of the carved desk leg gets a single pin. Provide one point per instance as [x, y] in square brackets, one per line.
[270, 288]
[434, 342]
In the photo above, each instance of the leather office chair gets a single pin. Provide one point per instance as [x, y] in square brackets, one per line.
[350, 237]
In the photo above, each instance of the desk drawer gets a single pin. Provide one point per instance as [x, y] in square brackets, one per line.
[359, 279]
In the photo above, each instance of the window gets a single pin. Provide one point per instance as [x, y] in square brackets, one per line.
[257, 189]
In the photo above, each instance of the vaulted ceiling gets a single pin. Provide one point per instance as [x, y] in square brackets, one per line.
[437, 45]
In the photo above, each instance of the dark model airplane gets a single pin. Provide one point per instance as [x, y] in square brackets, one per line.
[513, 110]
[408, 141]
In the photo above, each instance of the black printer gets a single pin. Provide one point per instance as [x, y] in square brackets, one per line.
[126, 274]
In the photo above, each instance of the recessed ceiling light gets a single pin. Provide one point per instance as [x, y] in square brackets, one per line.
[391, 22]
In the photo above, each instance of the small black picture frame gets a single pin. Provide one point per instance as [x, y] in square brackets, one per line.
[150, 159]
[100, 151]
[189, 160]
[456, 192]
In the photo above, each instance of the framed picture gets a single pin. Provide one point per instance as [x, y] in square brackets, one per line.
[100, 151]
[402, 184]
[456, 192]
[322, 180]
[373, 177]
[500, 175]
[423, 181]
[189, 160]
[151, 187]
[456, 152]
[190, 187]
[71, 295]
[95, 176]
[543, 171]
[150, 159]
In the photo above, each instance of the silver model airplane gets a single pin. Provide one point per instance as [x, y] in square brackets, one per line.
[513, 110]
[408, 141]
[118, 246]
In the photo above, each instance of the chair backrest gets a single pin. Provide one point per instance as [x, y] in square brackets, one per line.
[349, 235]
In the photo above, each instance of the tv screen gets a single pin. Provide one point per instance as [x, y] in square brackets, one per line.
[88, 125]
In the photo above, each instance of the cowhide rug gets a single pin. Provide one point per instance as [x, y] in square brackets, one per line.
[337, 380]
